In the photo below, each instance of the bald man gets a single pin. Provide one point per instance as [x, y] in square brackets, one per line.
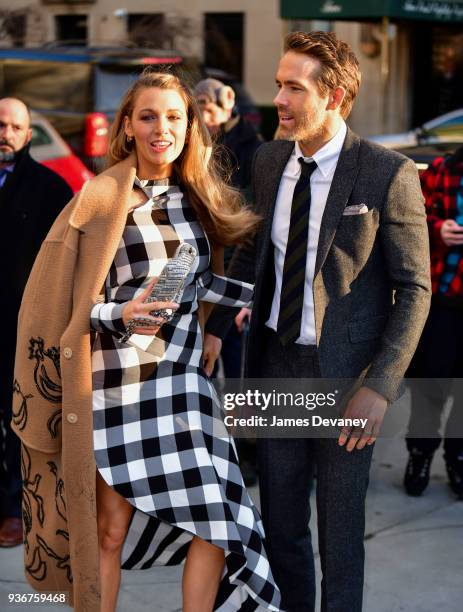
[31, 196]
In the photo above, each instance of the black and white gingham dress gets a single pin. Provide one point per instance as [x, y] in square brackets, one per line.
[159, 437]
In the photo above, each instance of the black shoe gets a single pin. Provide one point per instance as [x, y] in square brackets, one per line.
[416, 477]
[454, 464]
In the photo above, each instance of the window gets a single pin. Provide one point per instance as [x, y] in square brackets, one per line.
[224, 42]
[147, 30]
[39, 136]
[71, 28]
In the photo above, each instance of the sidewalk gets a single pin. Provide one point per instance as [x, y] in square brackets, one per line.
[414, 557]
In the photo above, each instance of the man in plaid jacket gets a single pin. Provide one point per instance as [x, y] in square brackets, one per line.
[440, 352]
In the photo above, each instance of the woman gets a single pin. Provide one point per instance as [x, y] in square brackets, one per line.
[167, 481]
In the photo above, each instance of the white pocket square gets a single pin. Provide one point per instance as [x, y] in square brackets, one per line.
[356, 209]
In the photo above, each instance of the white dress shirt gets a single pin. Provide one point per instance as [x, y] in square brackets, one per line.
[326, 159]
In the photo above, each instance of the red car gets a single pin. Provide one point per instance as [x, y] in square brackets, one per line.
[48, 148]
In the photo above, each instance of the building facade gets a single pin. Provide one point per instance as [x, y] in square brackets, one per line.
[243, 37]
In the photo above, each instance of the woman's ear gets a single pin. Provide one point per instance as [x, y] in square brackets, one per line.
[128, 128]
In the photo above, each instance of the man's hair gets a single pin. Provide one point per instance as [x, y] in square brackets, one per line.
[338, 65]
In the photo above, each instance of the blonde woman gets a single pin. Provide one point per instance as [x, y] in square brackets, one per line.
[140, 470]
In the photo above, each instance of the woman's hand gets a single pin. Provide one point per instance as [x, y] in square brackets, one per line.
[136, 309]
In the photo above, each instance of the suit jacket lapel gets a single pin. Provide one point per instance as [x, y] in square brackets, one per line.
[340, 190]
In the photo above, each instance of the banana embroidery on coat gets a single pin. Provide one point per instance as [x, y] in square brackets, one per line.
[47, 377]
[37, 568]
[47, 370]
[59, 492]
[20, 415]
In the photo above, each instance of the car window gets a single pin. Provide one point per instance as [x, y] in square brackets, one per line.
[453, 121]
[450, 128]
[40, 136]
[110, 85]
[49, 86]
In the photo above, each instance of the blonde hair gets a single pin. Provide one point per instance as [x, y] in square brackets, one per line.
[219, 207]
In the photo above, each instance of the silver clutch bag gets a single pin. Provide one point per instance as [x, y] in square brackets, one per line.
[169, 287]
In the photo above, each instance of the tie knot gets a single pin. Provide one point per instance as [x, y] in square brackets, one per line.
[307, 168]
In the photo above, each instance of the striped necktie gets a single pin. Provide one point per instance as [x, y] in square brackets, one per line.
[292, 286]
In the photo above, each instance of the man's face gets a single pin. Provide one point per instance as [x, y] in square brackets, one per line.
[15, 131]
[213, 115]
[302, 110]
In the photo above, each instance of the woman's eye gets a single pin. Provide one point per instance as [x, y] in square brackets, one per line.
[174, 117]
[147, 117]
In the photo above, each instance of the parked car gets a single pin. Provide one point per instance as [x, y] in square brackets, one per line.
[77, 88]
[48, 148]
[447, 128]
[425, 154]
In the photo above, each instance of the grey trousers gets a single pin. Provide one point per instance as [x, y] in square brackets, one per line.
[286, 469]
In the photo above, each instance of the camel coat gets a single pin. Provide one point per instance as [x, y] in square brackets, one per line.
[52, 411]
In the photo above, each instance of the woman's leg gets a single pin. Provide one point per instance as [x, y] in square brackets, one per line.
[201, 576]
[114, 514]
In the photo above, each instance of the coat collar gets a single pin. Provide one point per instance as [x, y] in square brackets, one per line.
[105, 195]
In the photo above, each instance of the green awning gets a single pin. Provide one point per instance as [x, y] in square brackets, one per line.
[366, 10]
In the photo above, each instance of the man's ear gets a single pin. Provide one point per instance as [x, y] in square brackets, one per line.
[335, 98]
[29, 136]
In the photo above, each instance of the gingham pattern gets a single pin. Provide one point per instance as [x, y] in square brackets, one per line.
[159, 437]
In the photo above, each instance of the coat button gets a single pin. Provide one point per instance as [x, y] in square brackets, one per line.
[67, 352]
[72, 418]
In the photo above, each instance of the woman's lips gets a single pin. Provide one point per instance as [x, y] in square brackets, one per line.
[159, 146]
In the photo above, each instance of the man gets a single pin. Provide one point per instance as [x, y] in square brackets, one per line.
[238, 141]
[31, 196]
[342, 290]
[227, 127]
[441, 345]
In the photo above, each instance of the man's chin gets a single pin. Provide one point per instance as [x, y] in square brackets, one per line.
[283, 133]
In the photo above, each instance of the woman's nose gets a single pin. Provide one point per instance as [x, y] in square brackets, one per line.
[161, 126]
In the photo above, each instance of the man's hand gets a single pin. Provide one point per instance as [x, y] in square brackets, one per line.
[241, 316]
[211, 351]
[451, 233]
[364, 404]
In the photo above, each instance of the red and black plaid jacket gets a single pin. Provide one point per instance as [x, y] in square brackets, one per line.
[440, 183]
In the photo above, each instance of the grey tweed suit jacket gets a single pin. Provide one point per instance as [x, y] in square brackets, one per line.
[371, 286]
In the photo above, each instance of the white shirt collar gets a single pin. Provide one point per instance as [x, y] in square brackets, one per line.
[326, 158]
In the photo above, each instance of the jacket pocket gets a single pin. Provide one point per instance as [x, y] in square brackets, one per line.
[361, 331]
